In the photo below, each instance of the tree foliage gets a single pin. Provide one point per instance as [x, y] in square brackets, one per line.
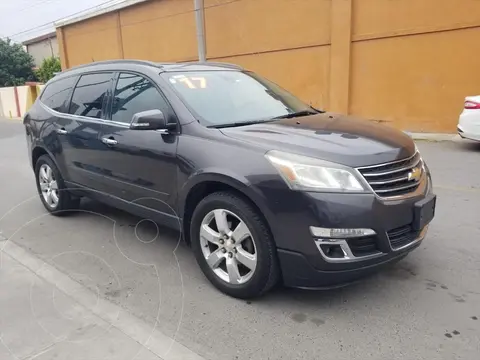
[49, 67]
[16, 65]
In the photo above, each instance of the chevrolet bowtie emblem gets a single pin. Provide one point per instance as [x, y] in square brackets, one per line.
[414, 175]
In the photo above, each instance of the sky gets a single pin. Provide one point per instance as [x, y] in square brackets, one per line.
[33, 18]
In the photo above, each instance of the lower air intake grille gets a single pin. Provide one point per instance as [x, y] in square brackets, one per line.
[402, 236]
[363, 246]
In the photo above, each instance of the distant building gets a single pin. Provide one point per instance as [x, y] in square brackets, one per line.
[42, 47]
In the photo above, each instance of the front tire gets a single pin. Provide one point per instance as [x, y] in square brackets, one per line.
[233, 246]
[51, 188]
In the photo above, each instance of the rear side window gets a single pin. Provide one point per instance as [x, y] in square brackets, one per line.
[134, 94]
[56, 94]
[89, 95]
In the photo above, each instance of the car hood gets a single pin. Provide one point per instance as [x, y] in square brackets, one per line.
[341, 139]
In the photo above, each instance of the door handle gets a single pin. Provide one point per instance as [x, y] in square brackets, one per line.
[109, 141]
[61, 131]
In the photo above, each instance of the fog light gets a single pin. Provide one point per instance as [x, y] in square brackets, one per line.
[333, 251]
[337, 233]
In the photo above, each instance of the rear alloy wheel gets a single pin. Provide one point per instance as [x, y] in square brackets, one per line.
[51, 187]
[48, 186]
[233, 245]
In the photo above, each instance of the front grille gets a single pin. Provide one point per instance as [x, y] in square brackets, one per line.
[394, 178]
[402, 236]
[363, 246]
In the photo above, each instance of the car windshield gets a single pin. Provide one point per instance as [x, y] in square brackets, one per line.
[231, 98]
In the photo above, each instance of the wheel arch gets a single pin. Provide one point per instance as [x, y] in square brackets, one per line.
[38, 151]
[208, 183]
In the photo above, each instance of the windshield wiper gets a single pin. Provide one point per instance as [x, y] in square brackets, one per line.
[242, 123]
[286, 116]
[296, 114]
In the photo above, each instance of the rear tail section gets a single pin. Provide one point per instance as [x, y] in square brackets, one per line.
[472, 103]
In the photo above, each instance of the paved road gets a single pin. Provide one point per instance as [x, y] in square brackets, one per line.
[426, 307]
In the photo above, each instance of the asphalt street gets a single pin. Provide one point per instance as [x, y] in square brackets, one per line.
[425, 307]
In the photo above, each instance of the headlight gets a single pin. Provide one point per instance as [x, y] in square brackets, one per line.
[310, 174]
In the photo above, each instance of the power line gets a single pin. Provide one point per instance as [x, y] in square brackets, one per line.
[34, 5]
[136, 22]
[52, 22]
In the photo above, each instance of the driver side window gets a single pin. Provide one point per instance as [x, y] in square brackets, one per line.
[133, 94]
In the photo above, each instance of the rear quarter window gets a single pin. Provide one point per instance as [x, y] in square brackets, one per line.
[56, 94]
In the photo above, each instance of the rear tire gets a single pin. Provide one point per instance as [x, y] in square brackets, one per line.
[51, 188]
[233, 246]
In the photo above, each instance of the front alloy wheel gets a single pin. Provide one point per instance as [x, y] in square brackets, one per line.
[233, 245]
[228, 246]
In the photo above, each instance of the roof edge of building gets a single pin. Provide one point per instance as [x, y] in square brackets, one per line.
[96, 12]
[36, 39]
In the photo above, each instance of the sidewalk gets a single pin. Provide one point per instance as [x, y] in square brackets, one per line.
[44, 314]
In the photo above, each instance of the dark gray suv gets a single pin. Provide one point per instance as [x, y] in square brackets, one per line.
[264, 187]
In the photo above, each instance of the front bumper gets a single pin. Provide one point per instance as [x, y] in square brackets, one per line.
[302, 262]
[298, 272]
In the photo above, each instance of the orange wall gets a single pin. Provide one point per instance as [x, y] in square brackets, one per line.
[417, 83]
[412, 61]
[408, 63]
[276, 39]
[380, 18]
[160, 31]
[250, 26]
[92, 40]
[310, 66]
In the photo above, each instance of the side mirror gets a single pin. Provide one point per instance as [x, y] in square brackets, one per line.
[149, 120]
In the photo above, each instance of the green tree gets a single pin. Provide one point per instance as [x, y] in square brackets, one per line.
[16, 65]
[49, 67]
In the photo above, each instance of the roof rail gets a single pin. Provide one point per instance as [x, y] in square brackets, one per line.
[222, 64]
[207, 63]
[117, 61]
[154, 64]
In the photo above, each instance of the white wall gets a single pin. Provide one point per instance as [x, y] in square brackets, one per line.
[22, 98]
[8, 105]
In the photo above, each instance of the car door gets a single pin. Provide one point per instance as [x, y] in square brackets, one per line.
[140, 165]
[81, 129]
[55, 99]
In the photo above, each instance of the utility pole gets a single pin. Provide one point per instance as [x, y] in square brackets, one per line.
[200, 25]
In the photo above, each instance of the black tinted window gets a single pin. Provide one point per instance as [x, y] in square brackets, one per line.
[134, 94]
[89, 94]
[56, 94]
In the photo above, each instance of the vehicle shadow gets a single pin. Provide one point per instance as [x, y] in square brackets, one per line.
[385, 281]
[385, 278]
[142, 241]
[467, 145]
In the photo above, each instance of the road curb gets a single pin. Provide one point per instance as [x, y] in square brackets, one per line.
[164, 347]
[434, 136]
